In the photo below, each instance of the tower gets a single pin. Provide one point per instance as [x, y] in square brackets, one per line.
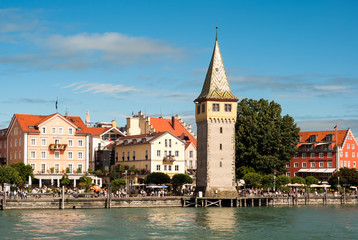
[215, 114]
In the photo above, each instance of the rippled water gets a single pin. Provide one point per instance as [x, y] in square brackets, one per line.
[306, 222]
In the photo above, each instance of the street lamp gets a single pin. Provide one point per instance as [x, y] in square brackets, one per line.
[338, 185]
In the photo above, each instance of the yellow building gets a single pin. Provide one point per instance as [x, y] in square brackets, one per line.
[155, 152]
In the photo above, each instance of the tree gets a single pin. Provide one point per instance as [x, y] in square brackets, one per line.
[311, 180]
[297, 179]
[252, 179]
[243, 170]
[347, 177]
[86, 182]
[9, 175]
[179, 180]
[282, 180]
[25, 171]
[267, 181]
[65, 180]
[265, 140]
[157, 178]
[117, 183]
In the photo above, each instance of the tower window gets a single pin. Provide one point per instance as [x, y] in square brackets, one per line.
[221, 130]
[221, 163]
[221, 146]
[216, 107]
[203, 108]
[198, 109]
[227, 107]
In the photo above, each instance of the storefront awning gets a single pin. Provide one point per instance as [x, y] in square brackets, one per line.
[317, 170]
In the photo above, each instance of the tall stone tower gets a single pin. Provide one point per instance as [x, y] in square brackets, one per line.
[215, 114]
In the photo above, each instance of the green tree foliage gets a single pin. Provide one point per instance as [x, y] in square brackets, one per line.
[265, 140]
[117, 183]
[179, 180]
[282, 180]
[25, 171]
[157, 178]
[86, 182]
[311, 180]
[297, 179]
[347, 177]
[267, 181]
[9, 175]
[243, 170]
[65, 181]
[252, 179]
[117, 171]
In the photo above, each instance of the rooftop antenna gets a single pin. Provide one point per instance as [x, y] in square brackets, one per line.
[216, 33]
[66, 113]
[57, 105]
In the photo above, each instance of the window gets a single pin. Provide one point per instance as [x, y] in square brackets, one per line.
[170, 143]
[345, 163]
[19, 154]
[158, 153]
[341, 154]
[70, 142]
[79, 168]
[15, 155]
[70, 131]
[354, 164]
[191, 154]
[198, 109]
[20, 142]
[70, 167]
[346, 154]
[146, 154]
[43, 142]
[304, 155]
[313, 138]
[15, 142]
[288, 174]
[203, 108]
[133, 155]
[70, 155]
[216, 107]
[221, 146]
[57, 168]
[33, 141]
[170, 153]
[295, 155]
[32, 154]
[43, 130]
[304, 164]
[348, 146]
[288, 165]
[165, 153]
[221, 130]
[349, 163]
[43, 168]
[329, 138]
[296, 164]
[158, 167]
[165, 167]
[169, 167]
[313, 164]
[353, 154]
[341, 164]
[227, 107]
[177, 168]
[321, 155]
[313, 155]
[80, 143]
[353, 146]
[80, 155]
[329, 155]
[57, 155]
[123, 156]
[33, 165]
[127, 156]
[177, 153]
[166, 142]
[53, 130]
[321, 164]
[43, 155]
[329, 164]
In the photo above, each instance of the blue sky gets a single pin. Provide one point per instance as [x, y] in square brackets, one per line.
[117, 57]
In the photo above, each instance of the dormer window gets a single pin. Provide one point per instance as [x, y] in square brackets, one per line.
[313, 138]
[227, 107]
[203, 108]
[198, 109]
[329, 138]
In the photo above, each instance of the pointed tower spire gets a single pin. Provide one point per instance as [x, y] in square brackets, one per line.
[216, 85]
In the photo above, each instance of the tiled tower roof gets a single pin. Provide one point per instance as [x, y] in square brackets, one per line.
[216, 85]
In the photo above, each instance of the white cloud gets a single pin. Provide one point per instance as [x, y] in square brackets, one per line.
[101, 88]
[331, 87]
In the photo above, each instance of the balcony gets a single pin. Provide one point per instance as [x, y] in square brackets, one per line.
[58, 147]
[169, 159]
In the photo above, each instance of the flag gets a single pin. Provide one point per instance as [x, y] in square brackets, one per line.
[56, 105]
[335, 127]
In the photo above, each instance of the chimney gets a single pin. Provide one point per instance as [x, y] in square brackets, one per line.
[173, 122]
[114, 123]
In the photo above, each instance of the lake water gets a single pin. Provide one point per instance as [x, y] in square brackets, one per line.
[305, 222]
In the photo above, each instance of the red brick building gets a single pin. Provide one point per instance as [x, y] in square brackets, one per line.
[321, 153]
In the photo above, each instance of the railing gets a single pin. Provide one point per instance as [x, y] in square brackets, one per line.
[61, 147]
[169, 158]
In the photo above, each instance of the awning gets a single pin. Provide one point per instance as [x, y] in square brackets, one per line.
[317, 170]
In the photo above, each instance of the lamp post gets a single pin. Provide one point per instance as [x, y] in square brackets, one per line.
[126, 182]
[338, 186]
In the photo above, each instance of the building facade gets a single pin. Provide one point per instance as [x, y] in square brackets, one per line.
[215, 114]
[322, 153]
[51, 144]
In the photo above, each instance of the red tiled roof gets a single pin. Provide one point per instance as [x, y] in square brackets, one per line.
[166, 125]
[29, 123]
[97, 131]
[321, 136]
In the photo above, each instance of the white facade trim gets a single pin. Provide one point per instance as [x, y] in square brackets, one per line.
[25, 148]
[87, 153]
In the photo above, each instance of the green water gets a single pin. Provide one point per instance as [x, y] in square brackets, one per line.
[305, 222]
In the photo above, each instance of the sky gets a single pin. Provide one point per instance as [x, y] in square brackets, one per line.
[115, 58]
